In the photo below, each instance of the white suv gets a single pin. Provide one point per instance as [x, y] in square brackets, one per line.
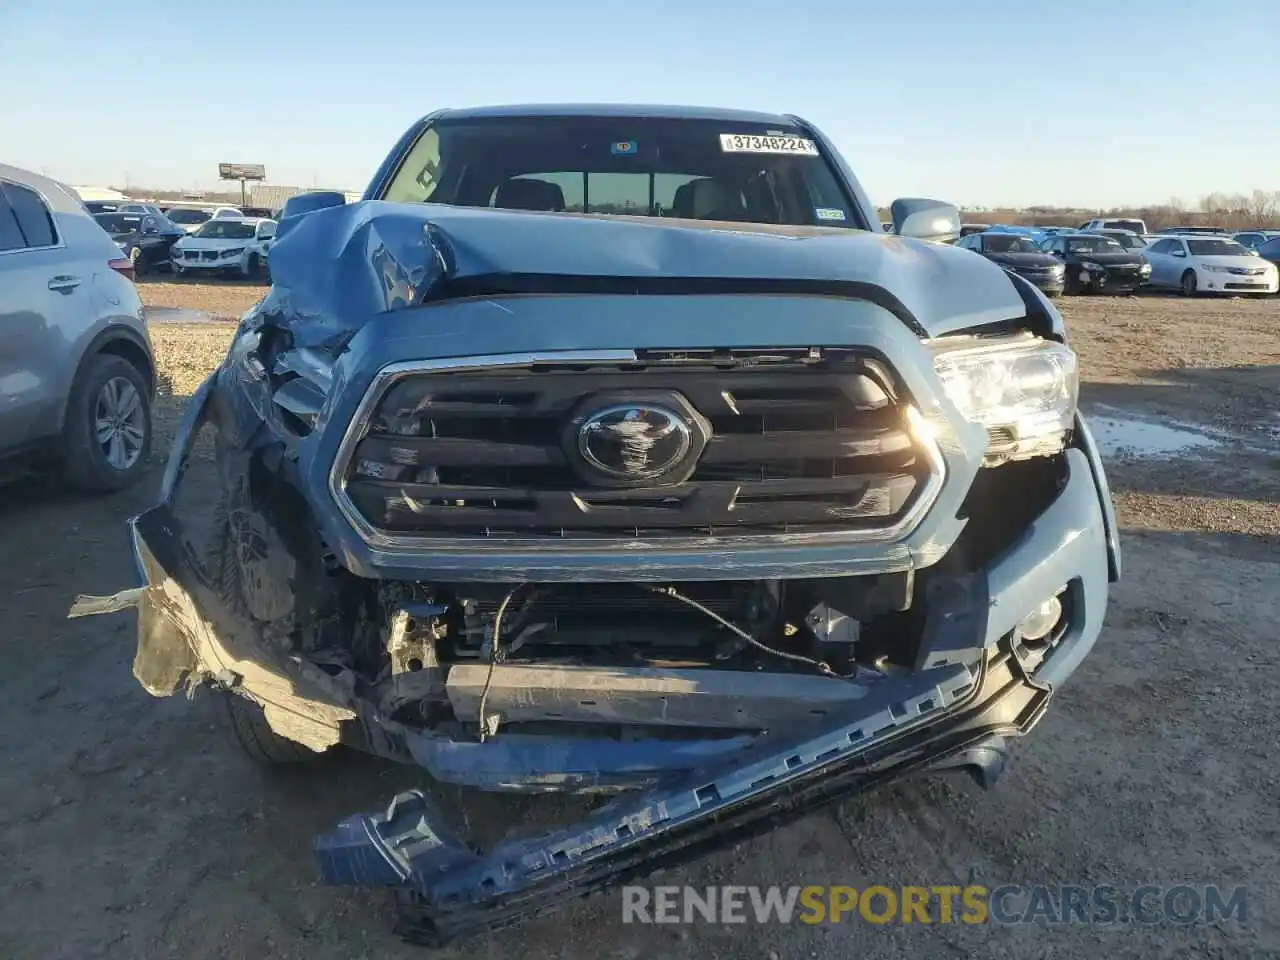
[227, 246]
[1115, 223]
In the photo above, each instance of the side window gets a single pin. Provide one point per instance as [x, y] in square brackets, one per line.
[10, 235]
[1162, 246]
[33, 216]
[266, 231]
[149, 223]
[1177, 247]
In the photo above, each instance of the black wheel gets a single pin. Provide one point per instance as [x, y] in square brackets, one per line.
[252, 266]
[178, 271]
[248, 727]
[108, 430]
[1070, 285]
[1189, 283]
[139, 261]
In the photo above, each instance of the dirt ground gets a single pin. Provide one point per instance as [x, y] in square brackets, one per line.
[129, 827]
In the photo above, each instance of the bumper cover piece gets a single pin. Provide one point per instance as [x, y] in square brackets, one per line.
[450, 891]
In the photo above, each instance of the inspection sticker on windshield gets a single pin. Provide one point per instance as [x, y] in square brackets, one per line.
[751, 143]
[829, 213]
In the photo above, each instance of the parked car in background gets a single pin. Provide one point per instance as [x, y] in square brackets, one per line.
[225, 246]
[1199, 264]
[1126, 238]
[1114, 223]
[1170, 231]
[1095, 263]
[968, 228]
[262, 213]
[1020, 255]
[227, 213]
[102, 206]
[189, 218]
[142, 237]
[76, 371]
[1270, 251]
[1253, 239]
[136, 206]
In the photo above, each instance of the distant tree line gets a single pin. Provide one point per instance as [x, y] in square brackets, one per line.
[1237, 211]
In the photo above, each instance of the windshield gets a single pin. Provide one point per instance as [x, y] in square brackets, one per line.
[188, 216]
[120, 222]
[1097, 244]
[1216, 248]
[1008, 243]
[226, 230]
[652, 167]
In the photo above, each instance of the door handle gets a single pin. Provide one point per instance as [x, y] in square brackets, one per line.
[64, 283]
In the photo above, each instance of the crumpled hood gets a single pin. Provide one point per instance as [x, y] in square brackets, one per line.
[384, 256]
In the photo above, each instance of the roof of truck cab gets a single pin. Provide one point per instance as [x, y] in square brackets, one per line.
[619, 110]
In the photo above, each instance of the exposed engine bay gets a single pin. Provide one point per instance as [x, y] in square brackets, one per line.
[720, 654]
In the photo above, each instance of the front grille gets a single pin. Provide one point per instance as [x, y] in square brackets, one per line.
[209, 255]
[191, 254]
[797, 441]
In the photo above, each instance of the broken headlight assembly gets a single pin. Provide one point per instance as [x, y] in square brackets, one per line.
[1023, 390]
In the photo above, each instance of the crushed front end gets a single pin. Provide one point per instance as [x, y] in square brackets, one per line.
[729, 551]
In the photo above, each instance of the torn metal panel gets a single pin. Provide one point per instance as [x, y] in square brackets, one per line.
[732, 699]
[179, 644]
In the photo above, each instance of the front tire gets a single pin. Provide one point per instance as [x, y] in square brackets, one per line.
[1188, 283]
[251, 267]
[108, 431]
[247, 726]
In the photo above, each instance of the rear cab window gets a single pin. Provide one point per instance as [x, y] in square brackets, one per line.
[691, 168]
[34, 221]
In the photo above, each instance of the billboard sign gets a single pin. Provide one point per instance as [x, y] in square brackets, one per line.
[242, 171]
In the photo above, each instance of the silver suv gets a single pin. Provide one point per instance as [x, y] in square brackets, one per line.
[77, 377]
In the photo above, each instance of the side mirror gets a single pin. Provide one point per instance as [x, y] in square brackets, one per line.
[311, 202]
[150, 229]
[297, 207]
[924, 219]
[1179, 253]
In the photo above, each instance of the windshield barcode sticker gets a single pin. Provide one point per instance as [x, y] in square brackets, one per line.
[750, 143]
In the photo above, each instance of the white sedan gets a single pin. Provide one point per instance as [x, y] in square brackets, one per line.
[1195, 264]
[226, 247]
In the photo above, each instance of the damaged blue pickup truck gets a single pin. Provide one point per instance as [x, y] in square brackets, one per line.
[620, 449]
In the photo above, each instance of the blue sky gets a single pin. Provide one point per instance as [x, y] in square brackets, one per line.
[984, 102]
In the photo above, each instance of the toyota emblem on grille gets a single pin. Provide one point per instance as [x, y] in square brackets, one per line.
[634, 441]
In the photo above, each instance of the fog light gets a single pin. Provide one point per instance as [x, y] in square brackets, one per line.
[1040, 622]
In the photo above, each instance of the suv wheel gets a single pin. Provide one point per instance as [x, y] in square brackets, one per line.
[1189, 283]
[108, 431]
